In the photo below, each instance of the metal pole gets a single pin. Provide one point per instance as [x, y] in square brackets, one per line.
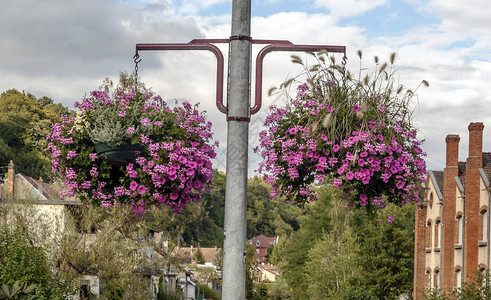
[238, 114]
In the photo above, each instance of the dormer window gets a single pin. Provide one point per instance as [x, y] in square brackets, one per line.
[258, 243]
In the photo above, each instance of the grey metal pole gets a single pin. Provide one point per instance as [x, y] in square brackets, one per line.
[238, 114]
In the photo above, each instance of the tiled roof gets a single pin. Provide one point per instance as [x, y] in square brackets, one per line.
[486, 164]
[462, 172]
[188, 254]
[271, 269]
[49, 191]
[262, 241]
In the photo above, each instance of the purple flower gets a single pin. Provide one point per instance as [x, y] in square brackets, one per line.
[390, 219]
[350, 175]
[133, 185]
[337, 183]
[146, 122]
[363, 200]
[142, 189]
[356, 108]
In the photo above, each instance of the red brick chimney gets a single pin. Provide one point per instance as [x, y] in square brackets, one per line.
[10, 180]
[420, 281]
[472, 194]
[448, 213]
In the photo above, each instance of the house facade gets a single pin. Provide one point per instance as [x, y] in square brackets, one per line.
[262, 243]
[452, 223]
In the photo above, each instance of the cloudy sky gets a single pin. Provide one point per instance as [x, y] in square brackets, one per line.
[63, 49]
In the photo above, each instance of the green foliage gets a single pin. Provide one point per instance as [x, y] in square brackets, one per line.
[332, 260]
[21, 261]
[270, 217]
[24, 123]
[389, 273]
[198, 257]
[476, 287]
[17, 291]
[209, 292]
[340, 253]
[168, 294]
[25, 270]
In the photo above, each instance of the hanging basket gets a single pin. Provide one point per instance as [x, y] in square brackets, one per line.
[120, 155]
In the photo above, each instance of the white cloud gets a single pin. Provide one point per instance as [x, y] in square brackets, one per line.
[349, 8]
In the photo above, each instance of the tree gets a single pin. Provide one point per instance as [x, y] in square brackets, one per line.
[385, 255]
[24, 123]
[332, 260]
[25, 267]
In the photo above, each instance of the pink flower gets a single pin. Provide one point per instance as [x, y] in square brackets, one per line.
[356, 108]
[335, 148]
[122, 114]
[337, 183]
[363, 200]
[130, 130]
[390, 219]
[133, 186]
[142, 189]
[173, 196]
[146, 122]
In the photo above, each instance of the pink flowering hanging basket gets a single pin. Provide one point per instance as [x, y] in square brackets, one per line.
[355, 135]
[133, 149]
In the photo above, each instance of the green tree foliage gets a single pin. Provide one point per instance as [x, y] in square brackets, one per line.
[266, 216]
[24, 268]
[386, 252]
[24, 123]
[332, 260]
[342, 253]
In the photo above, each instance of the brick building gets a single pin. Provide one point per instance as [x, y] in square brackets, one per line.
[262, 243]
[452, 223]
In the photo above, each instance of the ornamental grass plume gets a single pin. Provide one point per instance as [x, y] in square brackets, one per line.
[353, 133]
[172, 165]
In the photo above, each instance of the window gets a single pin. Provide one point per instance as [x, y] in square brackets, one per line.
[460, 229]
[484, 213]
[431, 200]
[458, 277]
[438, 234]
[428, 273]
[428, 235]
[436, 280]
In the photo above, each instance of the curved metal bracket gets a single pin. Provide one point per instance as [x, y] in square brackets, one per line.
[197, 45]
[283, 46]
[272, 45]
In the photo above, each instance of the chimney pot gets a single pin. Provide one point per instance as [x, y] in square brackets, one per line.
[475, 141]
[452, 141]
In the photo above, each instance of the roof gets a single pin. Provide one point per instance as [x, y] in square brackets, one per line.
[209, 254]
[437, 180]
[262, 241]
[50, 192]
[485, 173]
[269, 268]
